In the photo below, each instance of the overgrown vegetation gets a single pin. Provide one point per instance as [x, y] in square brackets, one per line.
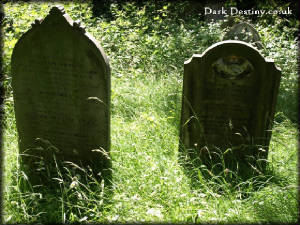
[147, 46]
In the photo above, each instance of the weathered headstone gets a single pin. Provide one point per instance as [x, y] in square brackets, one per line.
[61, 89]
[244, 32]
[229, 95]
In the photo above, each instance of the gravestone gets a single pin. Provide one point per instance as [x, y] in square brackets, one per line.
[61, 89]
[229, 95]
[244, 32]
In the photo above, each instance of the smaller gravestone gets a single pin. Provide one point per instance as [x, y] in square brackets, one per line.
[229, 95]
[244, 32]
[61, 89]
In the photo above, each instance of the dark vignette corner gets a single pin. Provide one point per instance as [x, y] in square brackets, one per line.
[1, 106]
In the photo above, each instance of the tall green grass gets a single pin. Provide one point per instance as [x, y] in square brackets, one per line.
[147, 47]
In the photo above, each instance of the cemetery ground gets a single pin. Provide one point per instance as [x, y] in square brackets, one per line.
[147, 46]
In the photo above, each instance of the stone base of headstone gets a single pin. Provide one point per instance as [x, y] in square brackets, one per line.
[38, 169]
[243, 163]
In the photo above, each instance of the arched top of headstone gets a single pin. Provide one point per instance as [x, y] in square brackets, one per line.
[58, 17]
[240, 49]
[244, 32]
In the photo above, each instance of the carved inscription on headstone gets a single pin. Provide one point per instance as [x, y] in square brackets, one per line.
[229, 96]
[61, 87]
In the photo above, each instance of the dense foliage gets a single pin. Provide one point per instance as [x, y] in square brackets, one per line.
[147, 45]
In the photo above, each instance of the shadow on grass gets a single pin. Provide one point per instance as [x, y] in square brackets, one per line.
[230, 173]
[63, 191]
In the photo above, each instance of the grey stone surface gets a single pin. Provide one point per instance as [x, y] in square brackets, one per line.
[229, 97]
[61, 89]
[244, 32]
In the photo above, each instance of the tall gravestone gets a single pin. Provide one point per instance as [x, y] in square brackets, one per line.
[61, 89]
[229, 95]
